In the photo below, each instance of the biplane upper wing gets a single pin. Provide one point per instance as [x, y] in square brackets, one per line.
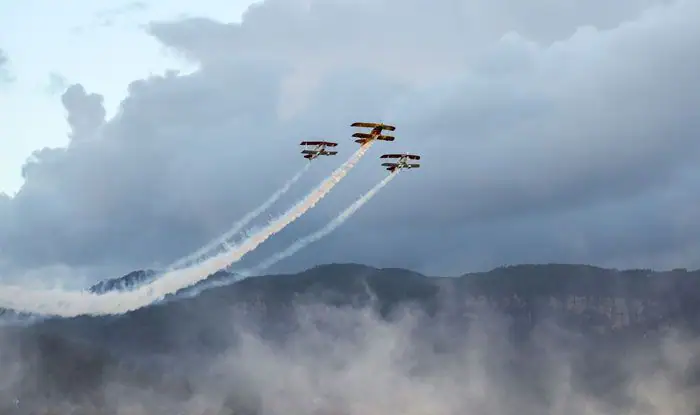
[373, 125]
[365, 124]
[318, 143]
[396, 156]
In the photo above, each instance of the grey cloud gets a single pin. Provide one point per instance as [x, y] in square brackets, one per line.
[86, 113]
[542, 141]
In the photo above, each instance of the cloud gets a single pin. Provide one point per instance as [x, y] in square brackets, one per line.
[542, 138]
[113, 15]
[5, 75]
[57, 84]
[86, 113]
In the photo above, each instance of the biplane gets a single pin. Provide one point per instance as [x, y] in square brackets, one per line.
[313, 149]
[401, 163]
[374, 134]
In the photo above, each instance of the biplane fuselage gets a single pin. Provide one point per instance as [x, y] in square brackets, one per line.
[402, 162]
[318, 148]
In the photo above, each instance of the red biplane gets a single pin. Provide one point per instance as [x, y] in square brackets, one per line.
[318, 148]
[375, 134]
[401, 163]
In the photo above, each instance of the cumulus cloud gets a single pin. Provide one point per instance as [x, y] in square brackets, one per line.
[565, 135]
[86, 112]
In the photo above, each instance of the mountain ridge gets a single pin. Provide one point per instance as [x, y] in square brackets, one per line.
[614, 310]
[671, 292]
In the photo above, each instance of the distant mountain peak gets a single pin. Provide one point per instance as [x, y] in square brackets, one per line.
[127, 282]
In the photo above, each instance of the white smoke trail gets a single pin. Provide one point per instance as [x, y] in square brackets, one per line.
[299, 244]
[221, 240]
[330, 227]
[71, 304]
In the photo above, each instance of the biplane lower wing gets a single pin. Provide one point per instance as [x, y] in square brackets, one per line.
[320, 153]
[389, 164]
[362, 138]
[362, 135]
[413, 166]
[367, 136]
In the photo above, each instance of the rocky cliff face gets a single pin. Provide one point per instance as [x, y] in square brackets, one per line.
[601, 299]
[602, 314]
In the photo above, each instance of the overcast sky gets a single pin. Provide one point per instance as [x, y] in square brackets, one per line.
[550, 131]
